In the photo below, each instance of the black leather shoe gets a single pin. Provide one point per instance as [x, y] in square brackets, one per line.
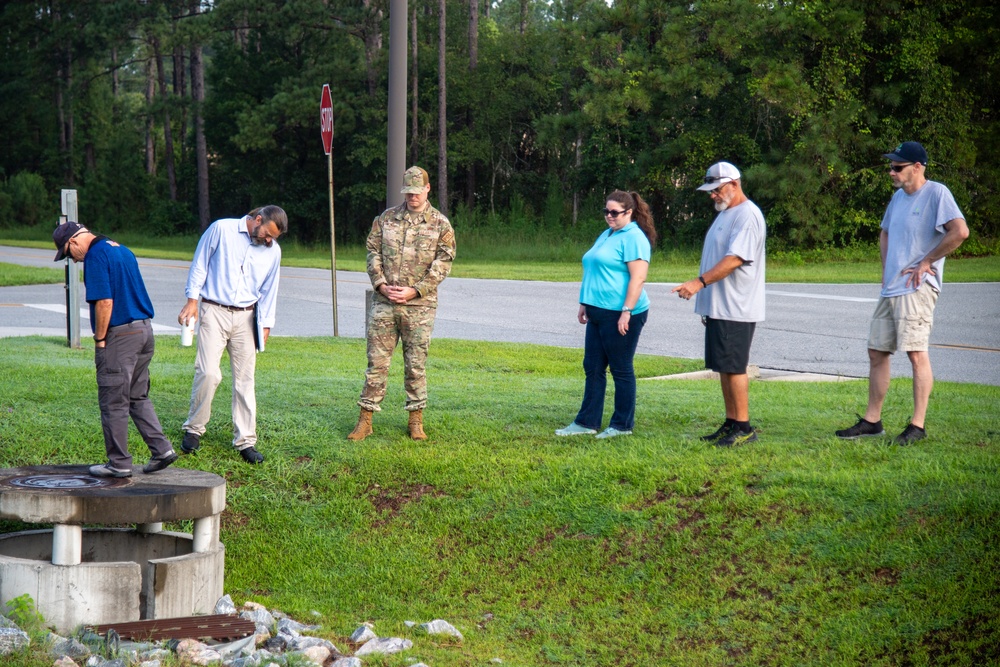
[191, 442]
[156, 465]
[107, 470]
[251, 455]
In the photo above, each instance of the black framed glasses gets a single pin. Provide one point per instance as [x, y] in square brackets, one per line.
[900, 167]
[717, 179]
[614, 214]
[69, 241]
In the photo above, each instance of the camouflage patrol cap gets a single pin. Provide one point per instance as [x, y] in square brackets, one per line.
[415, 181]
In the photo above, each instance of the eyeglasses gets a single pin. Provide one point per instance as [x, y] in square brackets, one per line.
[615, 214]
[716, 179]
[900, 167]
[69, 241]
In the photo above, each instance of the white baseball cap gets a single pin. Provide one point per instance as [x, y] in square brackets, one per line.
[718, 174]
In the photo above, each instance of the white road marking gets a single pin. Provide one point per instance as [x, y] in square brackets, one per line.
[830, 297]
[85, 314]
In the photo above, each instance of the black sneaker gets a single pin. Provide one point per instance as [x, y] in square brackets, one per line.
[724, 430]
[251, 455]
[158, 464]
[909, 435]
[863, 429]
[736, 437]
[191, 442]
[107, 470]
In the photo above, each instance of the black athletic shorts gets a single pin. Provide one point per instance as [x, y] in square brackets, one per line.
[727, 345]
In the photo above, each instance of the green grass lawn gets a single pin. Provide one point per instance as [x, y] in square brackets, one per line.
[654, 549]
[15, 274]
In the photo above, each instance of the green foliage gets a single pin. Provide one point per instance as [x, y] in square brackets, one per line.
[567, 101]
[22, 611]
[27, 200]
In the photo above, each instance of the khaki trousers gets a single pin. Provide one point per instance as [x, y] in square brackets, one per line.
[222, 329]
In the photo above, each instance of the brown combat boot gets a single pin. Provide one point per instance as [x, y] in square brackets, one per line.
[417, 425]
[364, 426]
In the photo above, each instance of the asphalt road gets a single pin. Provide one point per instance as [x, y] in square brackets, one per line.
[809, 328]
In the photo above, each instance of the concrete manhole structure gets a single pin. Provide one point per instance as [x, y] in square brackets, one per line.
[80, 572]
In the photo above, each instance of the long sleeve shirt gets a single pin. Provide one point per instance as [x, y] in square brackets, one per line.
[229, 269]
[411, 250]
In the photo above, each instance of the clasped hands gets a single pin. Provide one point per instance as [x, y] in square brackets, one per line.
[397, 294]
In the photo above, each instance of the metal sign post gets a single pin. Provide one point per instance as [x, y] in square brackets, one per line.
[326, 129]
[69, 213]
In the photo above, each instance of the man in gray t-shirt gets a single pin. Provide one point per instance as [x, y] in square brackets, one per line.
[730, 296]
[921, 226]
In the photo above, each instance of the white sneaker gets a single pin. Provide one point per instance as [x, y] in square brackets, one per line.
[611, 433]
[575, 429]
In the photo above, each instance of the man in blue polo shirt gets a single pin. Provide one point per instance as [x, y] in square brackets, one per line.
[120, 317]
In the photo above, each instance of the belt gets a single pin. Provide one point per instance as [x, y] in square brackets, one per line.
[130, 325]
[237, 309]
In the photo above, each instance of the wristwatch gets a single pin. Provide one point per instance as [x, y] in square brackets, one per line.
[626, 309]
[703, 283]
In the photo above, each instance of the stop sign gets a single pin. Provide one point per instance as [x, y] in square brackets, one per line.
[326, 118]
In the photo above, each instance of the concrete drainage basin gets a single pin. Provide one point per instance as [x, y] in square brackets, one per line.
[98, 575]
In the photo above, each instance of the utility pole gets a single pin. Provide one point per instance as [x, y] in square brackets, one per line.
[395, 163]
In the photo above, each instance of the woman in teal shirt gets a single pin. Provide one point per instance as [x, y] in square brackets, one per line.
[614, 305]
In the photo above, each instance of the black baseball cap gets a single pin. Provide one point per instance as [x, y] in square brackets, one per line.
[61, 235]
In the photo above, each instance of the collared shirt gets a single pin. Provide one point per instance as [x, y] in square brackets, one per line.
[605, 268]
[110, 271]
[411, 250]
[229, 269]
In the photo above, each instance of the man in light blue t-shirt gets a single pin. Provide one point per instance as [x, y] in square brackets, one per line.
[921, 226]
[730, 296]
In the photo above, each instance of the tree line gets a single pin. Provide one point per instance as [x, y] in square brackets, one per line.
[166, 114]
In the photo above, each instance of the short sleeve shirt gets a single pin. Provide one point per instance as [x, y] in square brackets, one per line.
[605, 268]
[739, 297]
[110, 271]
[915, 225]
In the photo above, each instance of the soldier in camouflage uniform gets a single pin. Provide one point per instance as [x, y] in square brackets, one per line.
[410, 251]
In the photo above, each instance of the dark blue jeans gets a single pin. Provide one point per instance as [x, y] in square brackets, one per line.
[604, 347]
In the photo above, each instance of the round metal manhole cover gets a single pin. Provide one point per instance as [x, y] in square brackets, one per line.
[62, 482]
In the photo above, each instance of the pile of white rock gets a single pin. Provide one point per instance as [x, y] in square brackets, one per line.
[277, 642]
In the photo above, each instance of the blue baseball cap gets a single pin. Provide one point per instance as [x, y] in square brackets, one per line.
[908, 151]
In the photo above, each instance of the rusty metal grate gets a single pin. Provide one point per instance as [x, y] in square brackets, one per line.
[220, 627]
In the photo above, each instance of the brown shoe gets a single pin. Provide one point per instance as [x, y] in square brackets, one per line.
[363, 429]
[416, 425]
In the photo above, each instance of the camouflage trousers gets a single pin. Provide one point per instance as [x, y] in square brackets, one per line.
[391, 323]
